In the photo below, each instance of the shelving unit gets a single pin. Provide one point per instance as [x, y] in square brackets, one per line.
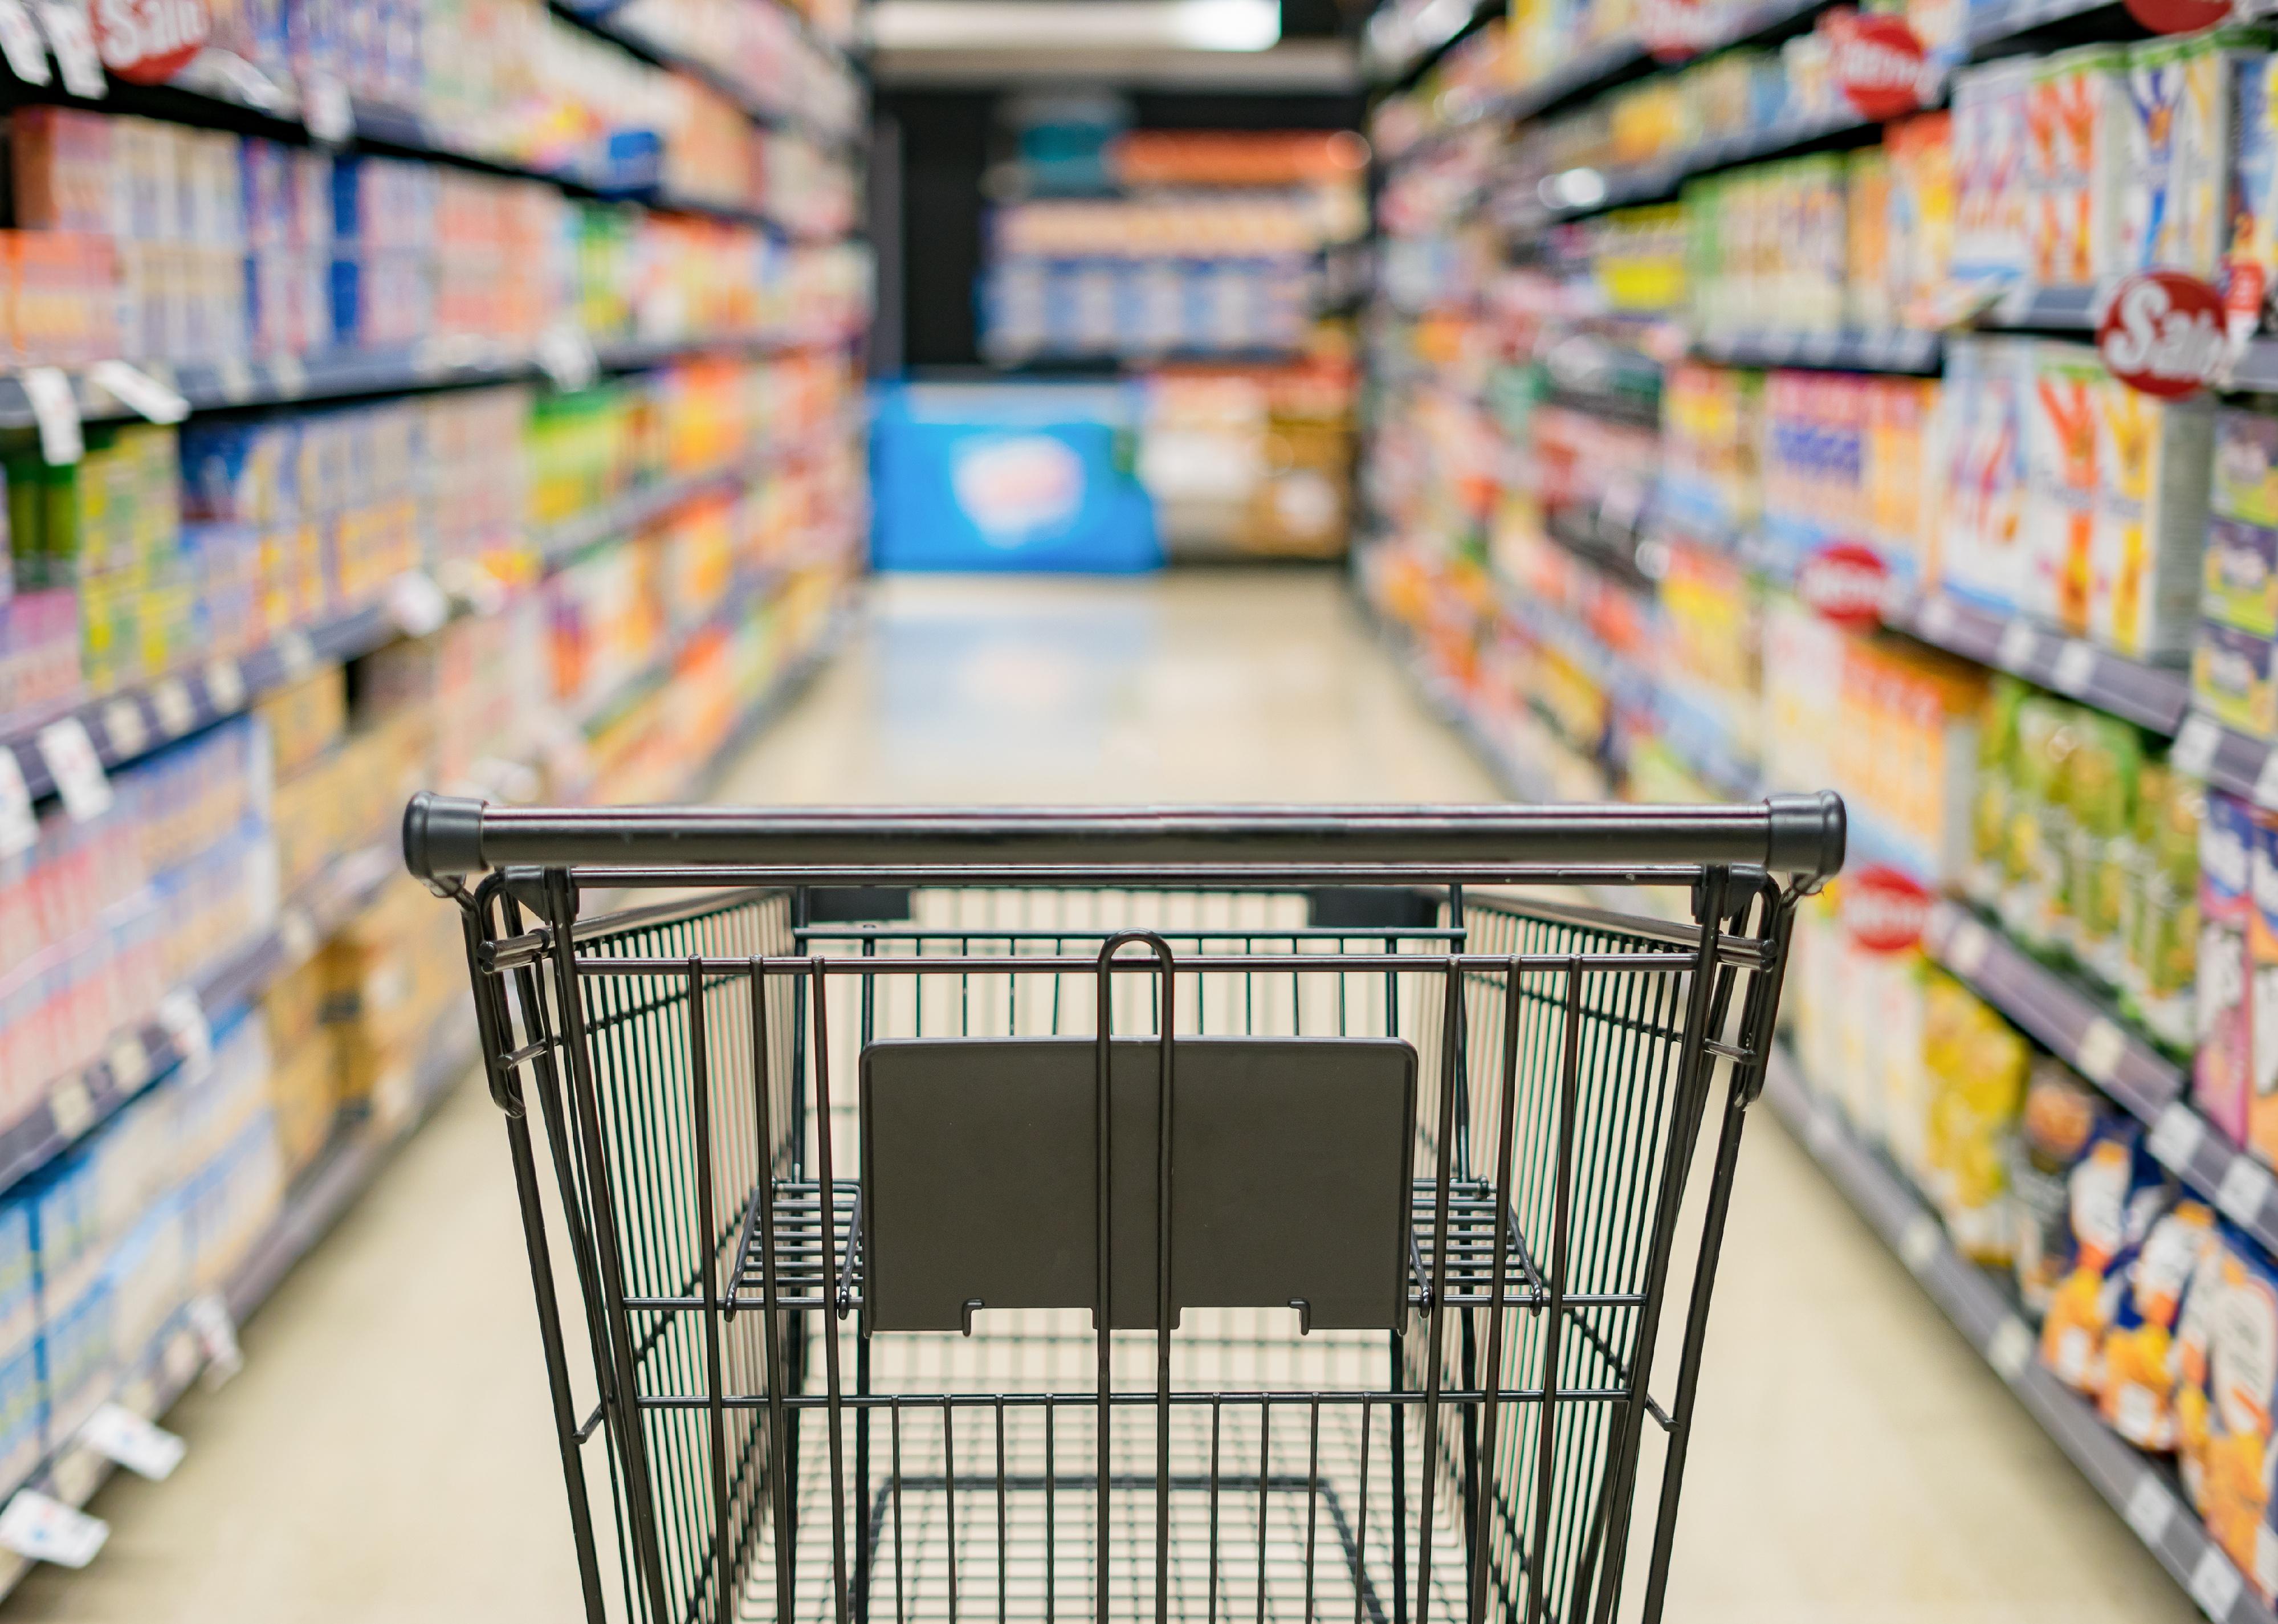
[2145, 1495]
[359, 1150]
[1465, 333]
[125, 727]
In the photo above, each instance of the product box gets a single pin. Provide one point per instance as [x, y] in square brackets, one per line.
[2061, 1118]
[2138, 1396]
[2232, 1466]
[2238, 577]
[1990, 169]
[2262, 970]
[2116, 1193]
[1982, 553]
[2247, 467]
[2222, 1082]
[2251, 250]
[2152, 458]
[2234, 679]
[2067, 436]
[2073, 155]
[2174, 117]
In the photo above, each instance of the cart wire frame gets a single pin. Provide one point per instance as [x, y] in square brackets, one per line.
[1482, 1460]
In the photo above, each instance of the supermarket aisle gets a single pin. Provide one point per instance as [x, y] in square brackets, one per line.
[384, 1456]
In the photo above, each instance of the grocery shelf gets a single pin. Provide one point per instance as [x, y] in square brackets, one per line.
[439, 363]
[1661, 178]
[1895, 349]
[562, 541]
[77, 1105]
[600, 18]
[2154, 697]
[1461, 18]
[2143, 1493]
[2081, 1030]
[1624, 551]
[1602, 66]
[2034, 308]
[2255, 367]
[132, 724]
[349, 1164]
[125, 725]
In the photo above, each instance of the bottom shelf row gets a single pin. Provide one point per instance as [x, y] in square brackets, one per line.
[2143, 1489]
[126, 1262]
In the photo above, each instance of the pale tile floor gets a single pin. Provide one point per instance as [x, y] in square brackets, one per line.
[385, 1458]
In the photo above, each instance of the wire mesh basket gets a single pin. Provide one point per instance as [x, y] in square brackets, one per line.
[1115, 1215]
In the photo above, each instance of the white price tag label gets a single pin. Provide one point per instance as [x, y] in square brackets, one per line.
[71, 1107]
[296, 934]
[19, 825]
[286, 376]
[327, 111]
[56, 409]
[234, 378]
[2195, 746]
[224, 687]
[2215, 1584]
[216, 1335]
[293, 653]
[2266, 781]
[2151, 1507]
[2017, 647]
[2101, 1050]
[177, 714]
[184, 1018]
[2176, 1136]
[20, 42]
[124, 729]
[417, 604]
[66, 25]
[76, 768]
[1824, 1132]
[2010, 1349]
[182, 1359]
[1919, 1242]
[1966, 949]
[2243, 1189]
[1622, 505]
[160, 402]
[47, 1530]
[565, 354]
[2076, 665]
[130, 1063]
[143, 1448]
[1937, 618]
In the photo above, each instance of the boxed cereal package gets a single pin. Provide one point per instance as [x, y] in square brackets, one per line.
[2220, 1082]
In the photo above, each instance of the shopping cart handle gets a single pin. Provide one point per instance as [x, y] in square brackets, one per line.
[1799, 835]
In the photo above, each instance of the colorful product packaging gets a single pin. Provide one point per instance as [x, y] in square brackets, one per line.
[2235, 678]
[2262, 973]
[2247, 467]
[2231, 1468]
[2060, 1118]
[1975, 1065]
[1983, 556]
[2162, 902]
[2116, 1192]
[2066, 440]
[2154, 459]
[2221, 1079]
[2251, 258]
[2138, 1396]
[2073, 155]
[1990, 169]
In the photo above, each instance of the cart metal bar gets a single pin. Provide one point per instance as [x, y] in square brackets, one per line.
[447, 836]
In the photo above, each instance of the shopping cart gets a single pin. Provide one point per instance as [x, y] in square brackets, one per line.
[857, 1162]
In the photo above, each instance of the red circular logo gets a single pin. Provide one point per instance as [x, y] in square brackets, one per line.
[2178, 16]
[1880, 64]
[1885, 910]
[2162, 332]
[1673, 30]
[148, 41]
[1847, 582]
